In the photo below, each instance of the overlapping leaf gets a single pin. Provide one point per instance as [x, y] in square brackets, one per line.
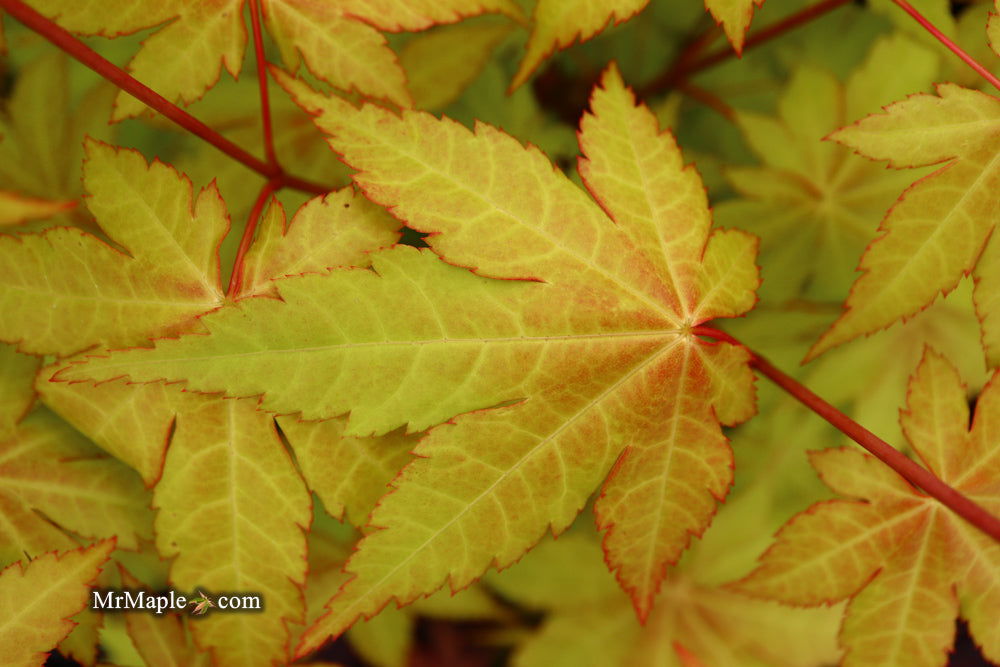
[908, 564]
[599, 342]
[589, 623]
[51, 478]
[41, 143]
[37, 598]
[338, 41]
[812, 198]
[64, 290]
[559, 23]
[937, 230]
[232, 514]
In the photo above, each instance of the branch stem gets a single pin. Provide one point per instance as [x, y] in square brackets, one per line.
[904, 466]
[686, 66]
[116, 75]
[265, 102]
[952, 46]
[236, 279]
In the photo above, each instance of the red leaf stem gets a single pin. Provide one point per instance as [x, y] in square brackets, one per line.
[952, 46]
[904, 466]
[236, 279]
[686, 66]
[116, 75]
[265, 102]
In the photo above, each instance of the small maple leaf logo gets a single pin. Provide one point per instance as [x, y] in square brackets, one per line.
[202, 603]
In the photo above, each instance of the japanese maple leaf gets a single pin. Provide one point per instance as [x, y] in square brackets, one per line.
[814, 198]
[589, 623]
[338, 40]
[53, 480]
[586, 345]
[559, 23]
[41, 144]
[908, 565]
[38, 597]
[938, 229]
[63, 290]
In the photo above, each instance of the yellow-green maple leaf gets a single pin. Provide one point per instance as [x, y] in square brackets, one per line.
[232, 510]
[441, 63]
[814, 199]
[338, 40]
[161, 640]
[559, 23]
[17, 377]
[37, 598]
[49, 470]
[338, 229]
[598, 340]
[41, 143]
[63, 290]
[589, 623]
[908, 564]
[936, 231]
[993, 28]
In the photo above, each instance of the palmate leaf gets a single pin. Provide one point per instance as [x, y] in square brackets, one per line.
[64, 290]
[814, 198]
[338, 41]
[589, 623]
[587, 346]
[937, 230]
[906, 563]
[38, 597]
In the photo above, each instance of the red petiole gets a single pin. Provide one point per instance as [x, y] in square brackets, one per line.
[905, 467]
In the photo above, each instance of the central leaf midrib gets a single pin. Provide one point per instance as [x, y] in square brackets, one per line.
[663, 333]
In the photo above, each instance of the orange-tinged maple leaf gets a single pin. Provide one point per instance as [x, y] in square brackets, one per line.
[37, 598]
[599, 342]
[936, 231]
[905, 562]
[232, 509]
[51, 478]
[64, 290]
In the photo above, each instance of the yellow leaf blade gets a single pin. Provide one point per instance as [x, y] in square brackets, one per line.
[558, 23]
[37, 598]
[232, 510]
[65, 290]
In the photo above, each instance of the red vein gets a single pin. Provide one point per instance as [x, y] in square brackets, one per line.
[265, 103]
[236, 279]
[905, 467]
[952, 46]
[83, 53]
